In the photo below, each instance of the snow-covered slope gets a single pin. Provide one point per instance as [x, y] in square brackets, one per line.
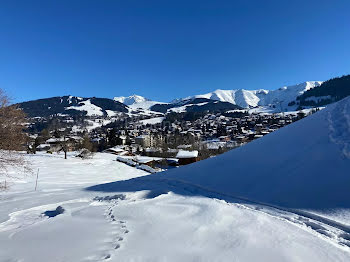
[305, 165]
[240, 97]
[136, 102]
[253, 98]
[284, 95]
[145, 220]
[88, 107]
[129, 100]
[146, 105]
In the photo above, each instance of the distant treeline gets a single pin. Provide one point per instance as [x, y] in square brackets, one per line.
[328, 92]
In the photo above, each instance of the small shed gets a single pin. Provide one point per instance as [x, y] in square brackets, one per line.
[187, 157]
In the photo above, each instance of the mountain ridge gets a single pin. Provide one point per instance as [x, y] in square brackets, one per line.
[260, 97]
[71, 105]
[287, 98]
[283, 98]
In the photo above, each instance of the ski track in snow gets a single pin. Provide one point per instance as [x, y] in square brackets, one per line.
[337, 124]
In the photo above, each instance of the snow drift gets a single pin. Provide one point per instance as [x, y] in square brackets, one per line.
[303, 165]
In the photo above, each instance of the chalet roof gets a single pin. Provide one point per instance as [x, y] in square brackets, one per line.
[115, 149]
[145, 159]
[187, 154]
[43, 146]
[54, 140]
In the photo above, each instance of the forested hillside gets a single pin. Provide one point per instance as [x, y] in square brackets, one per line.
[328, 92]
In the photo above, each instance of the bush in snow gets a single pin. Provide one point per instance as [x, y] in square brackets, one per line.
[85, 154]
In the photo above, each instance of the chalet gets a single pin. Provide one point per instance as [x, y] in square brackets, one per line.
[187, 157]
[148, 161]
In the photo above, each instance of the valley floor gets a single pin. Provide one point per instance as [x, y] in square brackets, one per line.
[146, 219]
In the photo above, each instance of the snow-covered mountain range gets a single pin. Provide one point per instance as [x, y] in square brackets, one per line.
[287, 98]
[252, 98]
[282, 99]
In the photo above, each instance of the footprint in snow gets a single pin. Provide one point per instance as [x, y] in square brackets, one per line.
[118, 225]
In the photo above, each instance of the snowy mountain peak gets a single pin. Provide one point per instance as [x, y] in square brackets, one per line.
[260, 97]
[130, 100]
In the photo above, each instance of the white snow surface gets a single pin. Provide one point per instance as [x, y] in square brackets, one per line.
[252, 98]
[283, 197]
[144, 220]
[152, 121]
[129, 100]
[305, 165]
[146, 105]
[187, 154]
[136, 102]
[88, 107]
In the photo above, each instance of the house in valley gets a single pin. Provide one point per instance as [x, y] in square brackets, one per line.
[187, 157]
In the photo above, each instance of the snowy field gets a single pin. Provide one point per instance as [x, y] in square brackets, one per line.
[283, 197]
[145, 219]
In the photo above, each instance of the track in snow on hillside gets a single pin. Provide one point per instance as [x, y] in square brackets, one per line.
[337, 233]
[334, 232]
[339, 126]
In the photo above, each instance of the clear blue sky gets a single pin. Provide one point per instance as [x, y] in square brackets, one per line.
[169, 48]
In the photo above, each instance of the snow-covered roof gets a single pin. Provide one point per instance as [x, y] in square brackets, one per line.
[43, 146]
[146, 159]
[187, 154]
[52, 140]
[115, 149]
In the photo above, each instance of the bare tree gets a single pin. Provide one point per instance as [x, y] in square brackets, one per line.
[12, 137]
[64, 144]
